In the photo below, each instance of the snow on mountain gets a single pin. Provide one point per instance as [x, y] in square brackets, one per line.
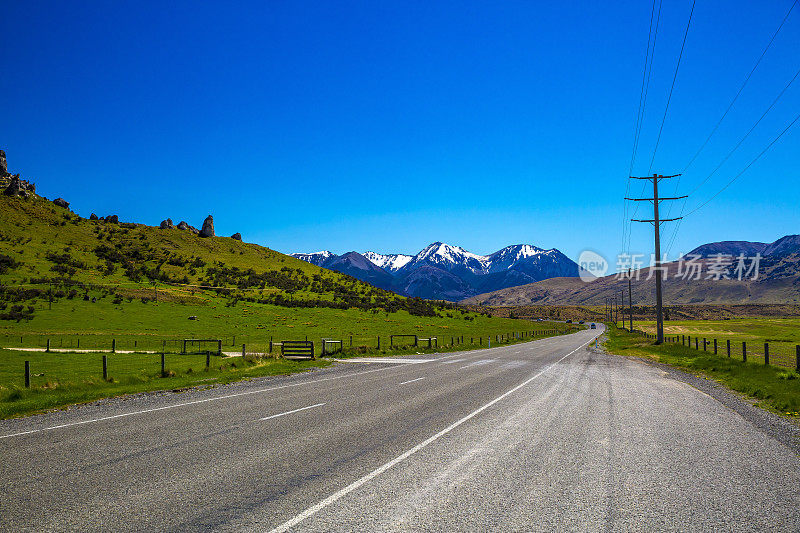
[449, 258]
[315, 258]
[443, 271]
[388, 262]
[511, 255]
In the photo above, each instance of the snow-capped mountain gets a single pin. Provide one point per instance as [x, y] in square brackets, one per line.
[315, 258]
[449, 258]
[389, 262]
[445, 272]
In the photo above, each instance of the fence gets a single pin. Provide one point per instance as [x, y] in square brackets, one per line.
[85, 358]
[783, 355]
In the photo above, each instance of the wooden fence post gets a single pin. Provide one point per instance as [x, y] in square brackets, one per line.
[243, 351]
[48, 346]
[797, 357]
[27, 374]
[163, 365]
[105, 367]
[729, 347]
[208, 358]
[379, 343]
[715, 346]
[113, 345]
[766, 353]
[744, 351]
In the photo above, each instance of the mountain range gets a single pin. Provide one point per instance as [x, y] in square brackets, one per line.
[444, 272]
[778, 281]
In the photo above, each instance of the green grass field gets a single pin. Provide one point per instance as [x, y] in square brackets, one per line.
[782, 334]
[775, 388]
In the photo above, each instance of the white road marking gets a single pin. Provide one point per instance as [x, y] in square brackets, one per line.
[411, 381]
[154, 409]
[405, 455]
[294, 411]
[383, 360]
[478, 363]
[452, 361]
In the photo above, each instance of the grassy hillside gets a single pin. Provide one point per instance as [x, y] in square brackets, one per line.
[47, 251]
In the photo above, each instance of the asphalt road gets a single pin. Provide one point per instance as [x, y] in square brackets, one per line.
[540, 436]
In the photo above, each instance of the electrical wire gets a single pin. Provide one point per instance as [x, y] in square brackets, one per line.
[646, 72]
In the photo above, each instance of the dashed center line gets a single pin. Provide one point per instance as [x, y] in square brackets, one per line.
[293, 411]
[411, 381]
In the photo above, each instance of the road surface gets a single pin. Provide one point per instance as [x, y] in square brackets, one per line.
[540, 436]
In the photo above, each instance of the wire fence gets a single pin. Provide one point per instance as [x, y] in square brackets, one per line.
[782, 354]
[42, 360]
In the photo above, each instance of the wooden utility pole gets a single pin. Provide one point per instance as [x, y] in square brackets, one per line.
[630, 301]
[656, 221]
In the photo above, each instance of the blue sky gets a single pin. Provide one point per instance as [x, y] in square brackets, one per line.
[386, 126]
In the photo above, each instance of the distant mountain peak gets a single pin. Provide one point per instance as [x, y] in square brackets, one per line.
[388, 262]
[445, 271]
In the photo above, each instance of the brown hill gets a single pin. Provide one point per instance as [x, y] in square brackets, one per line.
[778, 283]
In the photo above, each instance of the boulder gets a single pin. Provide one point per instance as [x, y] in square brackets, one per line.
[237, 236]
[60, 202]
[93, 217]
[182, 225]
[113, 219]
[14, 187]
[208, 227]
[166, 224]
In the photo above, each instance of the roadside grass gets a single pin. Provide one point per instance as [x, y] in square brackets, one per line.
[775, 388]
[782, 334]
[67, 379]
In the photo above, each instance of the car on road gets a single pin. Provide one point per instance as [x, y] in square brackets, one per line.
[582, 322]
[569, 321]
[593, 326]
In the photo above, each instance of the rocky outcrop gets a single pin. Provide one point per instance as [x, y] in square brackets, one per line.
[60, 202]
[166, 224]
[237, 236]
[208, 227]
[113, 219]
[182, 225]
[3, 165]
[93, 217]
[19, 187]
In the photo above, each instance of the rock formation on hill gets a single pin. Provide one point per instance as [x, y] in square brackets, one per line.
[237, 236]
[12, 184]
[208, 227]
[182, 225]
[166, 224]
[60, 202]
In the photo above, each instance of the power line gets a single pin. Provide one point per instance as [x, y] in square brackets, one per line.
[646, 72]
[674, 77]
[787, 128]
[730, 153]
[741, 88]
[764, 114]
[644, 104]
